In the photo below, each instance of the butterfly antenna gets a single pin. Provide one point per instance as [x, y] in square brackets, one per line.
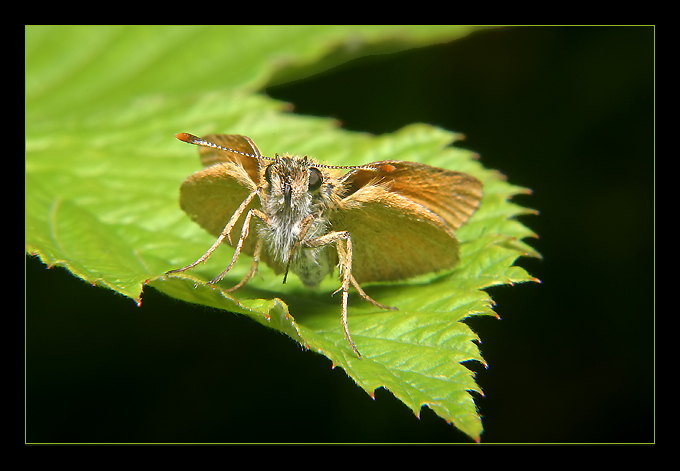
[366, 167]
[198, 141]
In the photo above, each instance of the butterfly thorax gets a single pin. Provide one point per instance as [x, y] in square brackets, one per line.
[293, 205]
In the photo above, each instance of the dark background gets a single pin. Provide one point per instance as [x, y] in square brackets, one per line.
[565, 111]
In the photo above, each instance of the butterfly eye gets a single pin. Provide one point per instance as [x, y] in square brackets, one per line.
[315, 179]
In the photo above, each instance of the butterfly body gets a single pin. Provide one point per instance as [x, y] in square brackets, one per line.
[295, 215]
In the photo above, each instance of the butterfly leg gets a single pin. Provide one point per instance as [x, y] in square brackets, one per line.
[224, 235]
[363, 294]
[253, 268]
[344, 248]
[343, 244]
[245, 230]
[341, 239]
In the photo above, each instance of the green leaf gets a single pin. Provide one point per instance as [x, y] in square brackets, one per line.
[103, 172]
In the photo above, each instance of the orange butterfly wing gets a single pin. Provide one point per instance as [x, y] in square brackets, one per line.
[402, 217]
[210, 156]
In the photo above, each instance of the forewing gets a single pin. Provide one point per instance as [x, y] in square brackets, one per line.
[211, 156]
[454, 196]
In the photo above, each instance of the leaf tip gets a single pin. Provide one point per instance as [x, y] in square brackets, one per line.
[138, 299]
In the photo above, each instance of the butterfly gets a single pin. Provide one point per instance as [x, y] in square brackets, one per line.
[382, 221]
